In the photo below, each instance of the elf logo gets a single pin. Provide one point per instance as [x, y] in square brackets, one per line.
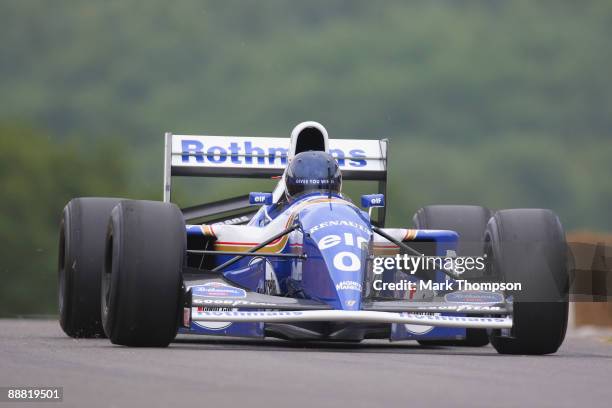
[345, 261]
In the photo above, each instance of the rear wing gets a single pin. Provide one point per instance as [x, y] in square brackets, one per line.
[263, 157]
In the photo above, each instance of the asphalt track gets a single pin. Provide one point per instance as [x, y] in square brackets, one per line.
[208, 372]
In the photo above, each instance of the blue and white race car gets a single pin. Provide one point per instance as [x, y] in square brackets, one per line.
[308, 264]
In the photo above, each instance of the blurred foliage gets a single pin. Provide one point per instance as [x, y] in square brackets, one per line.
[502, 103]
[38, 177]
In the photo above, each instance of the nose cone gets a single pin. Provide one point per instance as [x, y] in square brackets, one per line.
[337, 237]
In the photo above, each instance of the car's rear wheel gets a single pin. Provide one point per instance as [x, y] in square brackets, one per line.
[80, 259]
[470, 222]
[527, 246]
[142, 278]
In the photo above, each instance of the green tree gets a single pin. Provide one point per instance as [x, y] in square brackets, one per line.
[38, 177]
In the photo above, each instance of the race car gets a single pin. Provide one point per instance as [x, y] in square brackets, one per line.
[305, 262]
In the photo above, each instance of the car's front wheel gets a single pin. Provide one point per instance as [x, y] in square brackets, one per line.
[142, 277]
[527, 247]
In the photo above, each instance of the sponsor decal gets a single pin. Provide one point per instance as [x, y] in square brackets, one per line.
[260, 198]
[419, 328]
[212, 325]
[242, 151]
[230, 313]
[219, 290]
[372, 200]
[349, 285]
[340, 223]
[474, 297]
[230, 302]
[462, 308]
[438, 317]
[345, 261]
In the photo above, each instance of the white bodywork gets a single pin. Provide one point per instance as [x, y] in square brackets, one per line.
[352, 316]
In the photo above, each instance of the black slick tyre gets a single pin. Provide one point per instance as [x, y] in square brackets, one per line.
[470, 222]
[80, 260]
[142, 278]
[528, 246]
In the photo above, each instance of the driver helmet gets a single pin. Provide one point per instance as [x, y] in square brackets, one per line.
[312, 171]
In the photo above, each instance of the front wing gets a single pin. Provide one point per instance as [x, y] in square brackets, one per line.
[361, 316]
[225, 302]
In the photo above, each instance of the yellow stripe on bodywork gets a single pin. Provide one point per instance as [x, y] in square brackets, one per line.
[280, 245]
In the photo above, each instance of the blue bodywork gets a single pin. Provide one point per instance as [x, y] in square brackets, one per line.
[334, 235]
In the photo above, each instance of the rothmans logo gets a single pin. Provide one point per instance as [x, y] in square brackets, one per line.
[195, 151]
